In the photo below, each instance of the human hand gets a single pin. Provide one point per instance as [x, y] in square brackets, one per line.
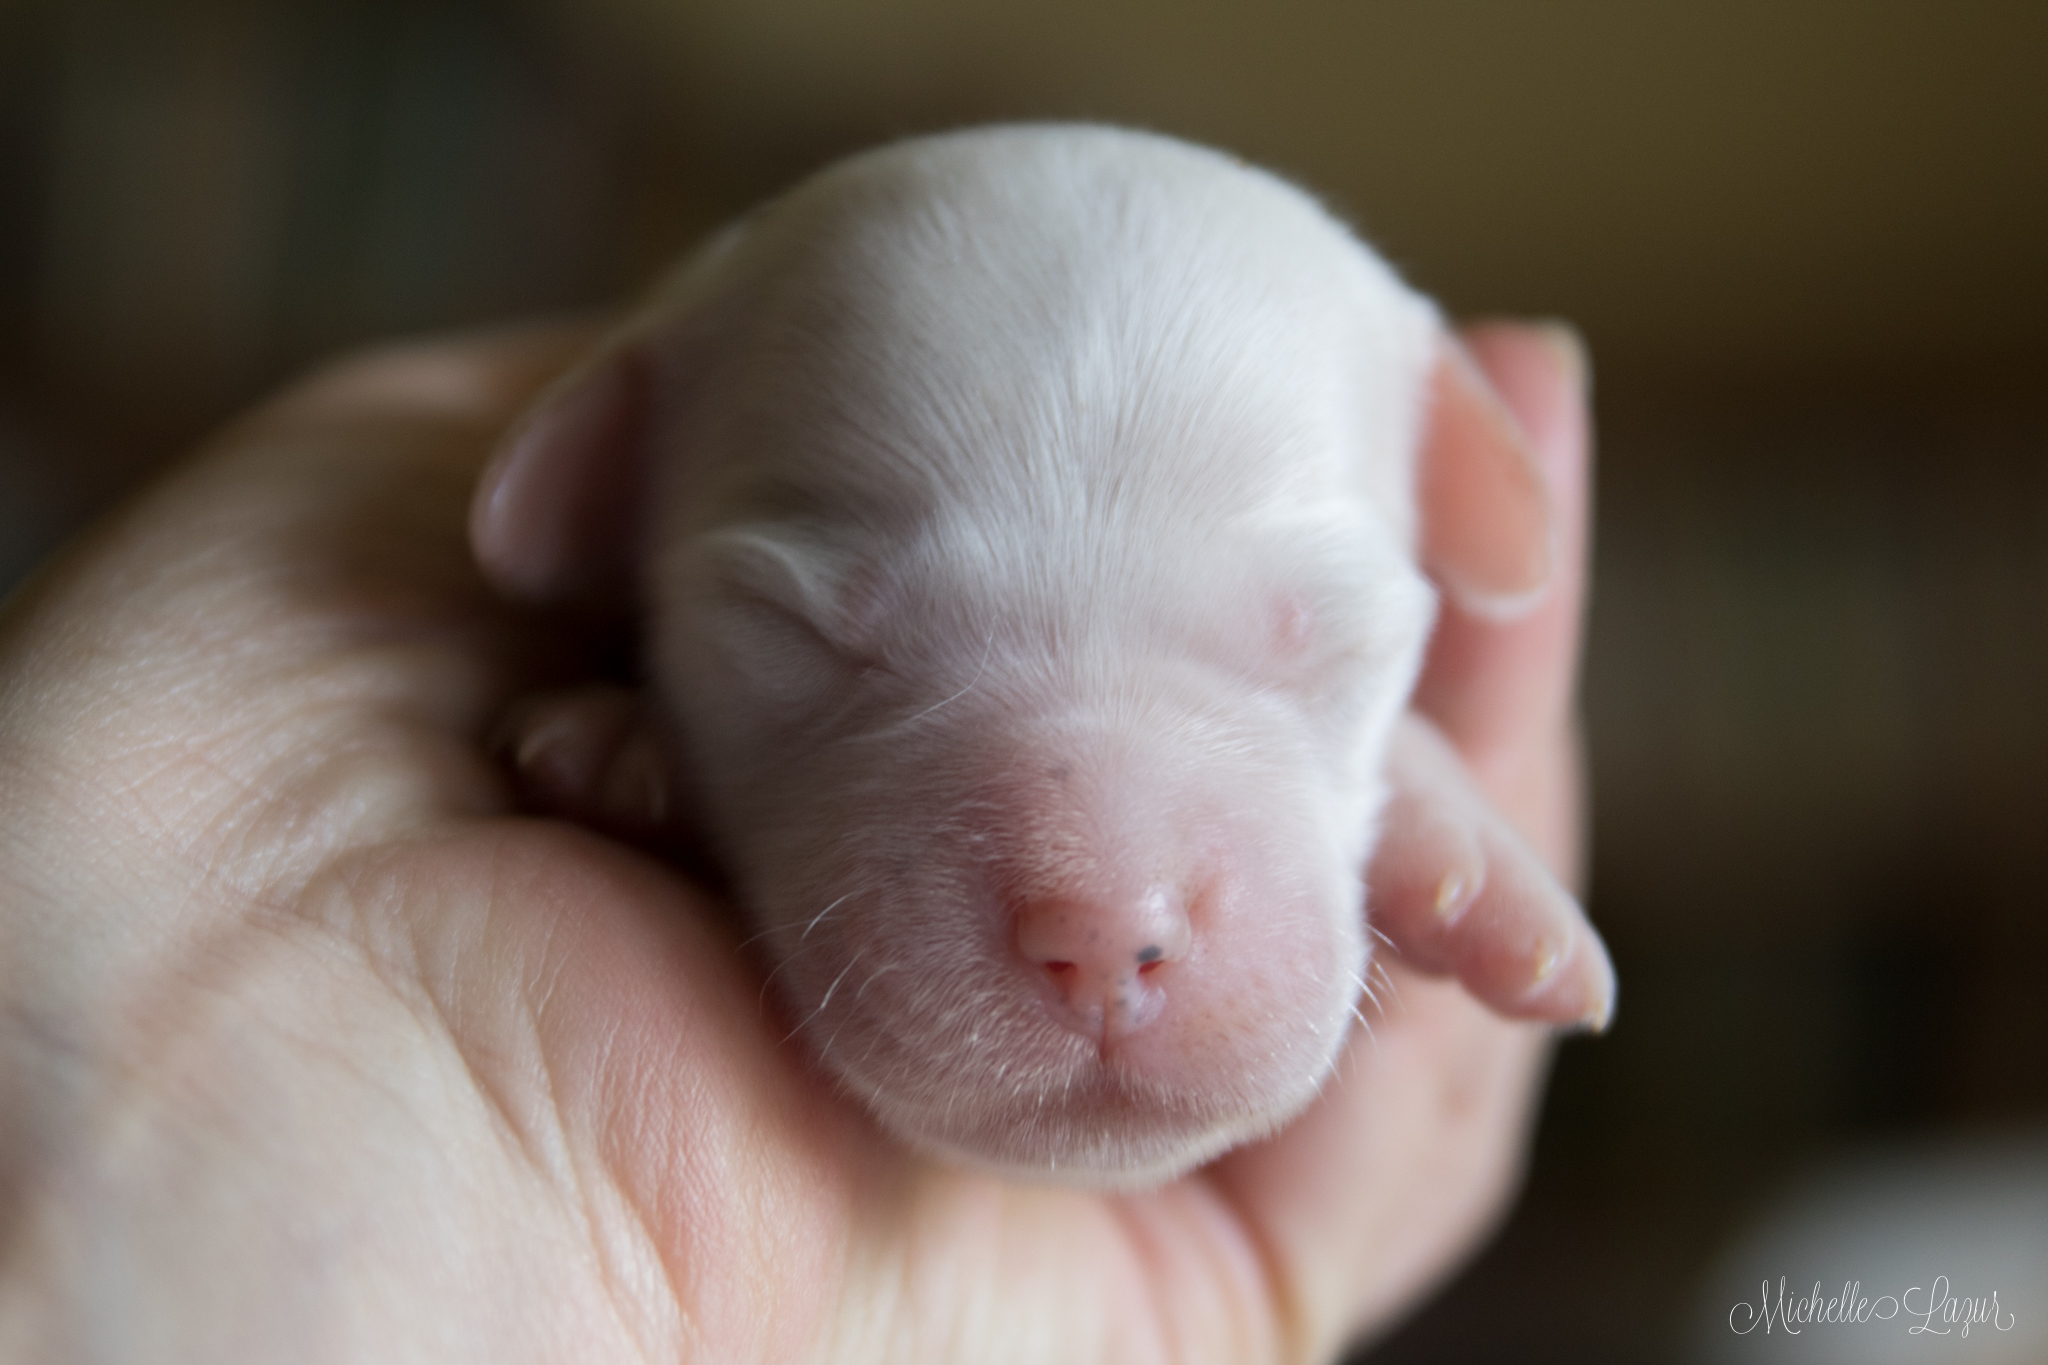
[312, 1045]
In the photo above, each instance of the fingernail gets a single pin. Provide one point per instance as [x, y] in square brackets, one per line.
[1599, 1012]
[1596, 1019]
[1454, 893]
[1463, 864]
[533, 746]
[1568, 347]
[1602, 1015]
[1499, 607]
[1491, 604]
[1568, 350]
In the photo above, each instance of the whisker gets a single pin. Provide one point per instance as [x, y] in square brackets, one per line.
[1359, 1014]
[871, 978]
[828, 997]
[761, 1001]
[776, 970]
[1365, 989]
[987, 652]
[1386, 977]
[819, 918]
[1365, 1023]
[1378, 1006]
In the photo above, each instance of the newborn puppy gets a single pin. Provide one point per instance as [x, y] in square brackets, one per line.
[1027, 522]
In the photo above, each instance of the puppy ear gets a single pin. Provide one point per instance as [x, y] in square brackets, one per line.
[1487, 524]
[556, 515]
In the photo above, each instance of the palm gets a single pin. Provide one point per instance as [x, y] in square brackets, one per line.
[507, 1082]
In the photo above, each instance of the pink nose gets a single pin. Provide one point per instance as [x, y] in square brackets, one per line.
[1104, 957]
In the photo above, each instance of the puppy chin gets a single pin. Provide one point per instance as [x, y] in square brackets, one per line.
[1027, 1103]
[1116, 1149]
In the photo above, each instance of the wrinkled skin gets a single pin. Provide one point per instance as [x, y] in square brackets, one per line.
[311, 1047]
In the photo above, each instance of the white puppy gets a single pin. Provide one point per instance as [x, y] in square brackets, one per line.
[1027, 522]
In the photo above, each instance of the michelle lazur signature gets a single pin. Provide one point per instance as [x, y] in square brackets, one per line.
[1924, 1310]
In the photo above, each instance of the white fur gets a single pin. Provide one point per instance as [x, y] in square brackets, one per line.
[1035, 510]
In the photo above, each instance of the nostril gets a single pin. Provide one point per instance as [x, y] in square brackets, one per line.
[1100, 954]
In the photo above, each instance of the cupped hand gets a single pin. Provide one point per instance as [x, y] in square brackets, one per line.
[313, 1047]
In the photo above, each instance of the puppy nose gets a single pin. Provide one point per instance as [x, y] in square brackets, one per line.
[1105, 958]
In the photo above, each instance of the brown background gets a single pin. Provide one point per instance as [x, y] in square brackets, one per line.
[1804, 240]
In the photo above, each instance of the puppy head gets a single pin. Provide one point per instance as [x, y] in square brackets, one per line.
[1027, 527]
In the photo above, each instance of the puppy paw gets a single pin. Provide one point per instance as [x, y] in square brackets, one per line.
[593, 755]
[1456, 892]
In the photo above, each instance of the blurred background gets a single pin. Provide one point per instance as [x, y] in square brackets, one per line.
[1806, 244]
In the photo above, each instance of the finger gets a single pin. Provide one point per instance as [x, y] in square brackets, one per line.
[1486, 517]
[1502, 690]
[1457, 892]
